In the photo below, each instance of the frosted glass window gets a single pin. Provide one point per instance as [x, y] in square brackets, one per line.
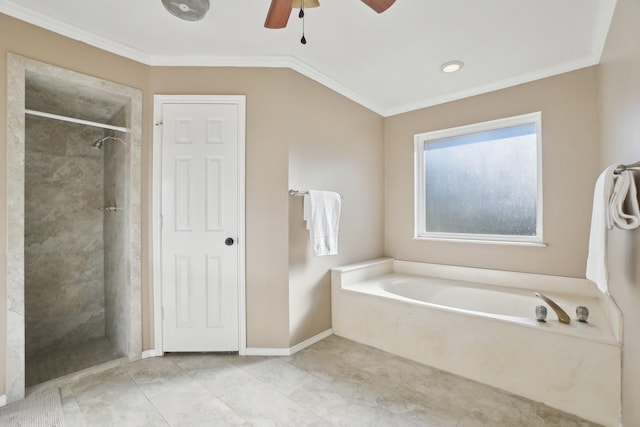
[480, 182]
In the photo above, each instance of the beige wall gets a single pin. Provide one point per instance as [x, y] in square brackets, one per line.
[334, 144]
[570, 151]
[299, 135]
[267, 265]
[296, 131]
[272, 94]
[620, 137]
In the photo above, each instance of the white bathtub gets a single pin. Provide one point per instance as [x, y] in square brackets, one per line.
[481, 324]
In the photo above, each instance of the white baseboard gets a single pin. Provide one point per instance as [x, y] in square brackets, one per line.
[311, 341]
[264, 351]
[261, 351]
[3, 400]
[150, 353]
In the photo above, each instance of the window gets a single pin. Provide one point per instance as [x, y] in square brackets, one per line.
[480, 182]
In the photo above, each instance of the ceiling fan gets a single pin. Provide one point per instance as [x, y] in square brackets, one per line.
[279, 11]
[189, 10]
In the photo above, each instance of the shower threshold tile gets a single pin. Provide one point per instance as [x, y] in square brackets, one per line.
[49, 365]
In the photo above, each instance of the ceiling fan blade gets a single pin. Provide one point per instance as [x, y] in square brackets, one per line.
[379, 5]
[278, 14]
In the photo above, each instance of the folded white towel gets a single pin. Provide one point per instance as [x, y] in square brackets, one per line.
[615, 203]
[623, 205]
[322, 213]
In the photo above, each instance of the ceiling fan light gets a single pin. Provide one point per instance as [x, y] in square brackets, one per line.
[297, 4]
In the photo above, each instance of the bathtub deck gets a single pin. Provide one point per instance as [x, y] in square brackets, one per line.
[575, 368]
[598, 328]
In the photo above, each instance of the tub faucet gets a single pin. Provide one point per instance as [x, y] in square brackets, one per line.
[563, 317]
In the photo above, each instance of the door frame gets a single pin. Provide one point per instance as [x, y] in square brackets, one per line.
[158, 102]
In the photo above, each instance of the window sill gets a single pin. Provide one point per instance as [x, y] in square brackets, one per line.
[484, 242]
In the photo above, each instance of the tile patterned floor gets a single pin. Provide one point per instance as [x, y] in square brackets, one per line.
[49, 365]
[335, 382]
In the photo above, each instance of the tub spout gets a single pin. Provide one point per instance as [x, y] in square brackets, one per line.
[563, 317]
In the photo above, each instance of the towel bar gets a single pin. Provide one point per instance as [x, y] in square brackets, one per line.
[621, 168]
[302, 193]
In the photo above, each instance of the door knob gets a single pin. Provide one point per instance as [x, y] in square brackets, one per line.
[228, 241]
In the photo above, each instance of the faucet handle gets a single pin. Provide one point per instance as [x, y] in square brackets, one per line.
[541, 313]
[582, 313]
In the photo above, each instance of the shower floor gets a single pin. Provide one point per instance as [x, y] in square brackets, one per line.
[54, 364]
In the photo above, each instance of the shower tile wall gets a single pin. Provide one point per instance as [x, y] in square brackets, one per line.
[64, 261]
[116, 238]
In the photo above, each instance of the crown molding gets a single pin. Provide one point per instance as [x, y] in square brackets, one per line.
[605, 16]
[22, 13]
[268, 61]
[491, 87]
[39, 20]
[323, 79]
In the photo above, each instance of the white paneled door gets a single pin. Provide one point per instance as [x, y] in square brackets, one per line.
[200, 227]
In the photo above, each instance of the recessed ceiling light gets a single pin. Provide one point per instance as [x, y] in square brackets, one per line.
[451, 66]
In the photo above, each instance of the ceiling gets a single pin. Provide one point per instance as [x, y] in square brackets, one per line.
[390, 63]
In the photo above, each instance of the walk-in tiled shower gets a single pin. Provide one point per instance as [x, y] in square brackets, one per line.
[73, 245]
[74, 223]
[64, 249]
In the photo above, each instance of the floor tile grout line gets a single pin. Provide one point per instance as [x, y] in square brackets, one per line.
[147, 398]
[84, 419]
[268, 359]
[75, 397]
[330, 384]
[211, 395]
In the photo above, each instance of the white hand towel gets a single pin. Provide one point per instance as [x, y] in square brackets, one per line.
[623, 205]
[611, 193]
[322, 213]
